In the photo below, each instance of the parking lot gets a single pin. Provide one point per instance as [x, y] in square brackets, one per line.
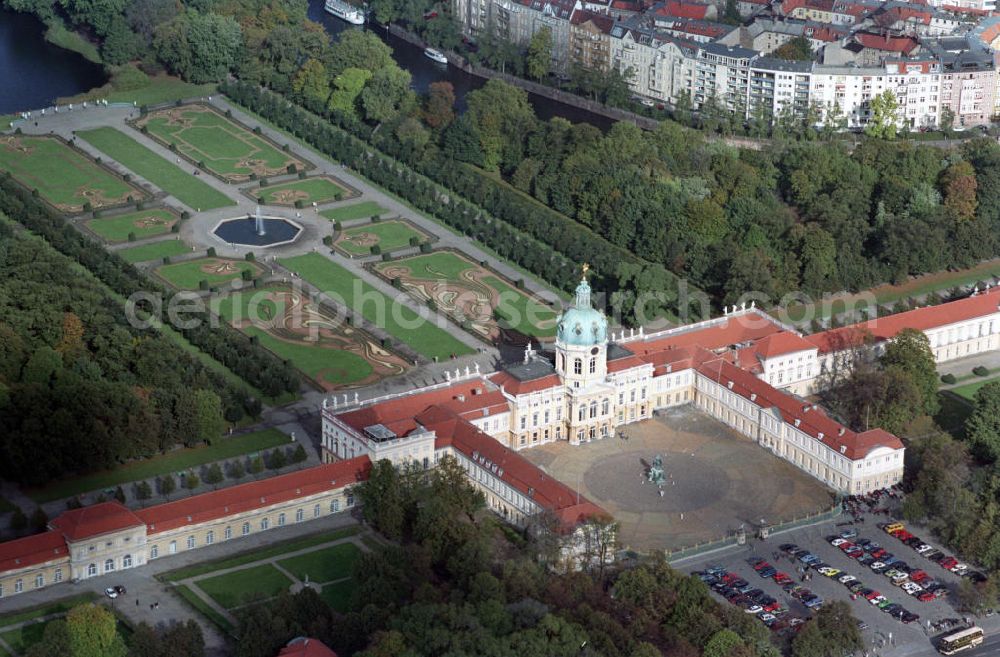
[884, 635]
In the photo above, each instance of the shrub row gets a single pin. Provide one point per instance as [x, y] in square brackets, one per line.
[253, 364]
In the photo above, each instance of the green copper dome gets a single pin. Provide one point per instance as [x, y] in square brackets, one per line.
[581, 325]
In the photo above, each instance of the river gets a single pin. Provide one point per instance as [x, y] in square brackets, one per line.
[425, 71]
[33, 72]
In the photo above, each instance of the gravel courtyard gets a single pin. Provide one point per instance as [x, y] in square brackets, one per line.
[716, 480]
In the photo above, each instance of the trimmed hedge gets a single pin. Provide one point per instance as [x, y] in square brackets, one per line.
[542, 241]
[253, 364]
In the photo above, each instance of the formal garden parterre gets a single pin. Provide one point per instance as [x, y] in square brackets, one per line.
[380, 237]
[209, 272]
[132, 155]
[419, 333]
[224, 147]
[154, 251]
[360, 210]
[325, 347]
[63, 176]
[300, 193]
[474, 296]
[134, 225]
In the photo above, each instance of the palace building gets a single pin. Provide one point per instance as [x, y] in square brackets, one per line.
[745, 369]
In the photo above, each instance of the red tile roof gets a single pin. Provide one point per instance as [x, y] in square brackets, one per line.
[254, 495]
[922, 319]
[511, 468]
[900, 44]
[95, 520]
[779, 344]
[729, 331]
[468, 397]
[514, 386]
[626, 363]
[304, 647]
[683, 9]
[813, 421]
[32, 550]
[602, 22]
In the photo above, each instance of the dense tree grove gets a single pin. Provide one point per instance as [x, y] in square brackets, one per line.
[455, 582]
[80, 387]
[810, 215]
[91, 630]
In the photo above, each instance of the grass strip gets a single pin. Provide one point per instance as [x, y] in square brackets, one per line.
[175, 461]
[254, 555]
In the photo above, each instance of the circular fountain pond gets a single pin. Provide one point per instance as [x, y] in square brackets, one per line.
[257, 231]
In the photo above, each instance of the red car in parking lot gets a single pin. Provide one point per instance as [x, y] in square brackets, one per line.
[948, 563]
[781, 578]
[918, 576]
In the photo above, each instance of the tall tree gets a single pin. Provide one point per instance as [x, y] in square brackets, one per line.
[539, 58]
[983, 426]
[885, 109]
[910, 353]
[93, 632]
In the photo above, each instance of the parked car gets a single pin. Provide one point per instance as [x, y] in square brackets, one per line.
[923, 548]
[912, 588]
[781, 578]
[849, 533]
[925, 596]
[919, 576]
[813, 603]
[835, 541]
[908, 617]
[877, 600]
[959, 569]
[855, 587]
[847, 579]
[788, 548]
[754, 609]
[878, 567]
[948, 563]
[898, 577]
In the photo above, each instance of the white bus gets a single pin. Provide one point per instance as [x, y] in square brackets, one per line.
[964, 640]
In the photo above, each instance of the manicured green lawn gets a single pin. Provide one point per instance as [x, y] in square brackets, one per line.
[421, 335]
[232, 589]
[57, 607]
[145, 223]
[309, 191]
[338, 595]
[63, 177]
[354, 211]
[391, 235]
[326, 565]
[332, 365]
[204, 608]
[22, 638]
[435, 266]
[270, 552]
[969, 390]
[161, 88]
[182, 185]
[513, 304]
[175, 461]
[154, 251]
[225, 147]
[188, 275]
[522, 312]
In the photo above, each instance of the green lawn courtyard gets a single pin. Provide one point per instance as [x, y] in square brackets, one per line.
[182, 185]
[227, 149]
[389, 236]
[189, 274]
[154, 251]
[239, 587]
[326, 565]
[326, 559]
[321, 189]
[969, 390]
[361, 210]
[174, 461]
[142, 224]
[404, 324]
[445, 276]
[63, 176]
[20, 639]
[320, 360]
